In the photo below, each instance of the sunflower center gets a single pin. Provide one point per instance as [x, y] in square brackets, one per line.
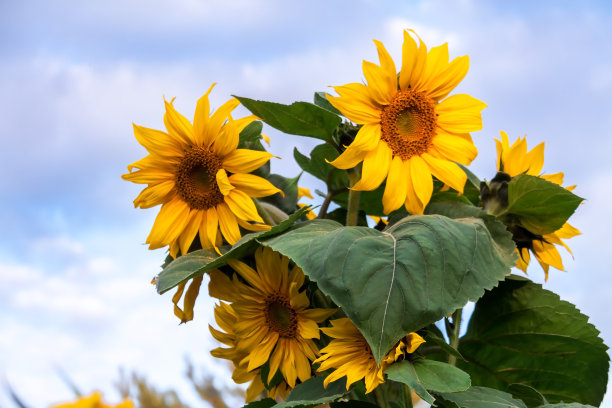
[408, 124]
[196, 179]
[280, 316]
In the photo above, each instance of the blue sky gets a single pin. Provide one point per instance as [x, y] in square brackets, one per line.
[75, 75]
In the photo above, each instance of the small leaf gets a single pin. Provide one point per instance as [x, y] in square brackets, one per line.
[198, 262]
[433, 339]
[264, 403]
[521, 333]
[321, 100]
[542, 207]
[299, 118]
[397, 281]
[478, 397]
[311, 393]
[423, 375]
[529, 395]
[317, 165]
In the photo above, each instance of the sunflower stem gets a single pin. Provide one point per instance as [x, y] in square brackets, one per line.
[407, 397]
[352, 210]
[453, 334]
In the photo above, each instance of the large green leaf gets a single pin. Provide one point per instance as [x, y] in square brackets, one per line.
[521, 333]
[423, 375]
[264, 403]
[317, 165]
[529, 395]
[320, 99]
[478, 397]
[543, 207]
[564, 405]
[311, 393]
[198, 262]
[397, 281]
[299, 118]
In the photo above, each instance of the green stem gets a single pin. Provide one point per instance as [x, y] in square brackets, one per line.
[407, 397]
[325, 205]
[352, 210]
[264, 214]
[453, 335]
[381, 400]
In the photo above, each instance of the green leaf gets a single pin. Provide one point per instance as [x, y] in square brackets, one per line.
[250, 138]
[529, 395]
[289, 186]
[299, 118]
[564, 405]
[433, 339]
[198, 262]
[521, 333]
[543, 207]
[478, 397]
[423, 375]
[321, 100]
[352, 404]
[316, 165]
[311, 393]
[264, 403]
[397, 281]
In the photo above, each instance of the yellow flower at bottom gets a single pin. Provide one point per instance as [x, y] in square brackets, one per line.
[514, 160]
[410, 129]
[351, 356]
[94, 401]
[273, 321]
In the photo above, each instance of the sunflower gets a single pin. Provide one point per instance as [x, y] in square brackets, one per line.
[514, 160]
[226, 318]
[273, 323]
[94, 401]
[350, 354]
[200, 178]
[410, 129]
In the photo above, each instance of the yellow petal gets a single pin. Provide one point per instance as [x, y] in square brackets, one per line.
[190, 230]
[190, 297]
[168, 224]
[157, 142]
[149, 176]
[447, 80]
[421, 179]
[220, 286]
[349, 158]
[218, 118]
[378, 86]
[437, 61]
[155, 194]
[409, 58]
[227, 140]
[253, 185]
[200, 120]
[177, 125]
[242, 206]
[556, 178]
[547, 253]
[523, 259]
[535, 160]
[413, 204]
[355, 103]
[388, 69]
[375, 168]
[453, 148]
[413, 341]
[260, 355]
[367, 137]
[228, 224]
[460, 114]
[567, 231]
[225, 186]
[304, 192]
[395, 189]
[245, 160]
[446, 171]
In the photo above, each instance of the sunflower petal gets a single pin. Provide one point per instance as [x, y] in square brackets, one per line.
[375, 168]
[201, 118]
[177, 125]
[460, 114]
[395, 189]
[253, 185]
[446, 171]
[245, 160]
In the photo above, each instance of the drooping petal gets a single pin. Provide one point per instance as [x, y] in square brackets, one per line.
[228, 224]
[446, 171]
[245, 160]
[395, 189]
[375, 168]
[253, 185]
[421, 179]
[454, 148]
[242, 206]
[168, 224]
[349, 158]
[190, 230]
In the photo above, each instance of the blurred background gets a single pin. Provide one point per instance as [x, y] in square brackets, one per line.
[74, 75]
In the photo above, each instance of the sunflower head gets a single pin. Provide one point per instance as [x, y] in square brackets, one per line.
[350, 355]
[514, 160]
[410, 130]
[94, 401]
[201, 179]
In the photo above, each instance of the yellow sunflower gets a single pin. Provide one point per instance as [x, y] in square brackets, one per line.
[200, 178]
[94, 401]
[226, 318]
[351, 356]
[514, 160]
[411, 130]
[274, 323]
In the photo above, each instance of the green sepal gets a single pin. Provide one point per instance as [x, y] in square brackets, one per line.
[397, 281]
[423, 375]
[521, 333]
[198, 262]
[299, 118]
[541, 206]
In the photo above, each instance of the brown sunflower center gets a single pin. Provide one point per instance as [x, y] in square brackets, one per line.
[280, 315]
[196, 179]
[408, 124]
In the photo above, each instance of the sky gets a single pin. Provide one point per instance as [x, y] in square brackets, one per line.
[75, 75]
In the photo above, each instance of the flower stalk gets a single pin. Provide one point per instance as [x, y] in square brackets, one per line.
[452, 330]
[352, 210]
